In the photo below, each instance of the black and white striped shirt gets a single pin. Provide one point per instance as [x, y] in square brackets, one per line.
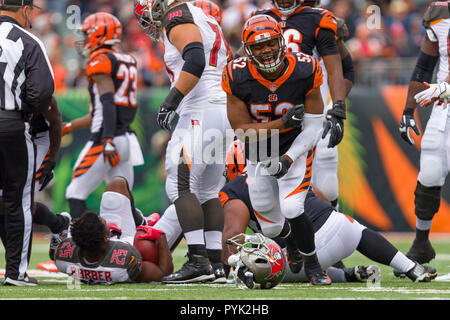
[26, 76]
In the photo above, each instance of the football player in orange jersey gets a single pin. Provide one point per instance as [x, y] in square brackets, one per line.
[274, 94]
[113, 79]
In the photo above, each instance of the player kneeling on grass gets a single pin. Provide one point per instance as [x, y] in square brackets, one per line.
[99, 248]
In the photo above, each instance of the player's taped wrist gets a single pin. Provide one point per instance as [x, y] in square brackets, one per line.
[109, 114]
[173, 99]
[194, 59]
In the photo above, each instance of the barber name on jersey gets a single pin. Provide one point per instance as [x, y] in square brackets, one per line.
[300, 28]
[121, 263]
[436, 21]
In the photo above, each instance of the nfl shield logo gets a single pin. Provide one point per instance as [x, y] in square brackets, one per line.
[273, 87]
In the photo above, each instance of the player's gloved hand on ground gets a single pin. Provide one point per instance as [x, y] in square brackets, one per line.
[151, 233]
[46, 174]
[167, 109]
[67, 128]
[438, 91]
[110, 152]
[114, 230]
[335, 123]
[294, 116]
[153, 219]
[407, 123]
[279, 170]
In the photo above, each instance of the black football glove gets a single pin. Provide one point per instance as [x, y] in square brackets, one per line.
[335, 123]
[281, 168]
[167, 109]
[46, 174]
[408, 122]
[294, 116]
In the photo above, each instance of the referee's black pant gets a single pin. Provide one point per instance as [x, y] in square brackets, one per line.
[17, 168]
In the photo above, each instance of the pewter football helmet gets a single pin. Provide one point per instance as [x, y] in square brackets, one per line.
[260, 259]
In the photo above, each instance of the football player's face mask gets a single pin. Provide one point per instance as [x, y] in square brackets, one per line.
[264, 43]
[149, 14]
[258, 260]
[286, 7]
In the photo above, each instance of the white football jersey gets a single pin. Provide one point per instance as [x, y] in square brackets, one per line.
[216, 55]
[437, 24]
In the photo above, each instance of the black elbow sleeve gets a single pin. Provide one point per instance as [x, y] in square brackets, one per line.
[423, 72]
[109, 115]
[348, 69]
[194, 59]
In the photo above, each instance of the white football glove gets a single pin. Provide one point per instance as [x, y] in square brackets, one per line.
[434, 92]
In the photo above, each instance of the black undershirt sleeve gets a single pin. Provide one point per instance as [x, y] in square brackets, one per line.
[326, 43]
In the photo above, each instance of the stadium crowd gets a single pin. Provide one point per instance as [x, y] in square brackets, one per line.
[377, 29]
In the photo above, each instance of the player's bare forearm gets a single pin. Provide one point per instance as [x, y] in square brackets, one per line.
[82, 123]
[336, 84]
[165, 262]
[236, 218]
[186, 82]
[53, 116]
[242, 123]
[414, 88]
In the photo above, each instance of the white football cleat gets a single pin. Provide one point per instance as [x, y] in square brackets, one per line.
[443, 278]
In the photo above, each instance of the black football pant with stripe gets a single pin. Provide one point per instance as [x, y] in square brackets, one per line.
[17, 169]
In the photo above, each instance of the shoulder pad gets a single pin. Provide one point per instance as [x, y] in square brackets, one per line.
[179, 14]
[231, 73]
[342, 30]
[436, 12]
[328, 21]
[99, 63]
[310, 67]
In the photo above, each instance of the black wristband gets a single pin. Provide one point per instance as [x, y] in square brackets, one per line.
[408, 111]
[109, 115]
[194, 59]
[173, 99]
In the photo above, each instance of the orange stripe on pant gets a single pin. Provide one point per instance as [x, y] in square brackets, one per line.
[88, 160]
[307, 177]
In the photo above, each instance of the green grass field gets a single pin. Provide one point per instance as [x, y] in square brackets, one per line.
[60, 287]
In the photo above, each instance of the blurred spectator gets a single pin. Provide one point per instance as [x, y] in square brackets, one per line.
[398, 36]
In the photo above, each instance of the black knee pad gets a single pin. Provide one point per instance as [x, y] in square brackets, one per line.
[427, 201]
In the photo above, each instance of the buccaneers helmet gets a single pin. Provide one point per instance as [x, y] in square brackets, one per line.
[259, 29]
[100, 29]
[259, 259]
[235, 161]
[287, 11]
[149, 14]
[210, 8]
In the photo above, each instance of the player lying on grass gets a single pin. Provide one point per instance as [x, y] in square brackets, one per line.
[99, 249]
[337, 235]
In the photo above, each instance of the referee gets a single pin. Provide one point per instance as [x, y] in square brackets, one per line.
[26, 88]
